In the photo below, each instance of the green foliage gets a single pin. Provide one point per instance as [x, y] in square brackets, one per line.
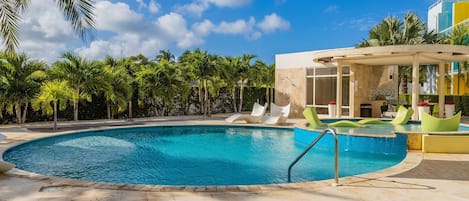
[461, 102]
[197, 80]
[52, 92]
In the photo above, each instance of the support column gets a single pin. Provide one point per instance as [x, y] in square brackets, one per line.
[353, 83]
[441, 89]
[415, 86]
[339, 90]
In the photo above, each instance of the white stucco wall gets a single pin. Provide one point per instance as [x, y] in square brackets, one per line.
[432, 16]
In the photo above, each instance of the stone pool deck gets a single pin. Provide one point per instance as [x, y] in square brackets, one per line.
[419, 177]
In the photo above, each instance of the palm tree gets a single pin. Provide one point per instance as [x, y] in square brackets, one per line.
[56, 92]
[229, 70]
[20, 80]
[80, 13]
[83, 76]
[205, 67]
[165, 55]
[119, 92]
[243, 73]
[411, 31]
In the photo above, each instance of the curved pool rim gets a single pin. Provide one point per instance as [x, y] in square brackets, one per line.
[411, 160]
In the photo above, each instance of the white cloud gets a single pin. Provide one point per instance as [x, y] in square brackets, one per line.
[273, 22]
[229, 3]
[44, 31]
[198, 7]
[154, 7]
[236, 27]
[194, 8]
[141, 3]
[331, 9]
[203, 28]
[116, 17]
[122, 31]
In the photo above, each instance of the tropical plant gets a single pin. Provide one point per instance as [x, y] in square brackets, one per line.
[84, 77]
[20, 80]
[55, 92]
[411, 31]
[80, 13]
[243, 73]
[229, 69]
[165, 55]
[119, 92]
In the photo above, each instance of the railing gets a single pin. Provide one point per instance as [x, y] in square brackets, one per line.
[336, 157]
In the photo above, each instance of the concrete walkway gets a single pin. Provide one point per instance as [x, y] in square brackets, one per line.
[419, 177]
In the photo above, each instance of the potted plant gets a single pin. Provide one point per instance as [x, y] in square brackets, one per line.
[449, 108]
[331, 107]
[423, 106]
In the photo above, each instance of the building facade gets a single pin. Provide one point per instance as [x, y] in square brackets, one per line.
[443, 17]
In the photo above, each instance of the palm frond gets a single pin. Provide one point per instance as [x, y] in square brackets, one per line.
[80, 13]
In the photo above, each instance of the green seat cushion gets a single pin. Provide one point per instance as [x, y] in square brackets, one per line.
[372, 121]
[346, 123]
[433, 124]
[312, 117]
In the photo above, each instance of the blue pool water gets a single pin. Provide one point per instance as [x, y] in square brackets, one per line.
[197, 155]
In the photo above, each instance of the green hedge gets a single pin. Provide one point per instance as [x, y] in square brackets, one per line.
[461, 102]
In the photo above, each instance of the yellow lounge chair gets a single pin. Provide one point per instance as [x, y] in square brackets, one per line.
[402, 117]
[312, 117]
[435, 124]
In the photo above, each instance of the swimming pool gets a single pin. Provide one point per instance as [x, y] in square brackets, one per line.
[198, 155]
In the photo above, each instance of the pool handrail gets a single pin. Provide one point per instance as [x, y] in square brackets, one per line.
[315, 141]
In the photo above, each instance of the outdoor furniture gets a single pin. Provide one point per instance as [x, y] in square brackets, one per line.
[435, 124]
[255, 117]
[5, 166]
[278, 114]
[312, 117]
[402, 117]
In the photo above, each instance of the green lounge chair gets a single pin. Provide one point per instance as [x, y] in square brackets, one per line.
[312, 117]
[402, 117]
[435, 124]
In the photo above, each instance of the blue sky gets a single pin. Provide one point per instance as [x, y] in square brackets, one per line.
[225, 27]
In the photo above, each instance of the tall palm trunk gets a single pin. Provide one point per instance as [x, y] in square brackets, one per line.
[75, 105]
[241, 91]
[201, 103]
[18, 112]
[130, 110]
[55, 115]
[108, 107]
[205, 98]
[25, 110]
[233, 94]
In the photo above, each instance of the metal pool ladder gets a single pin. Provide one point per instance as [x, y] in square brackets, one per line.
[336, 156]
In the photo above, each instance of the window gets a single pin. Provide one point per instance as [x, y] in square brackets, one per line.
[321, 86]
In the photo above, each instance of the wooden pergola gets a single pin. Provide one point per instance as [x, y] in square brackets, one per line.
[414, 55]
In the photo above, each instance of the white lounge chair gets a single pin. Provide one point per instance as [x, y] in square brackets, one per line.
[256, 115]
[5, 166]
[278, 114]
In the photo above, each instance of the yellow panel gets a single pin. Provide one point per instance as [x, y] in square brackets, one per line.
[414, 141]
[463, 89]
[461, 12]
[445, 144]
